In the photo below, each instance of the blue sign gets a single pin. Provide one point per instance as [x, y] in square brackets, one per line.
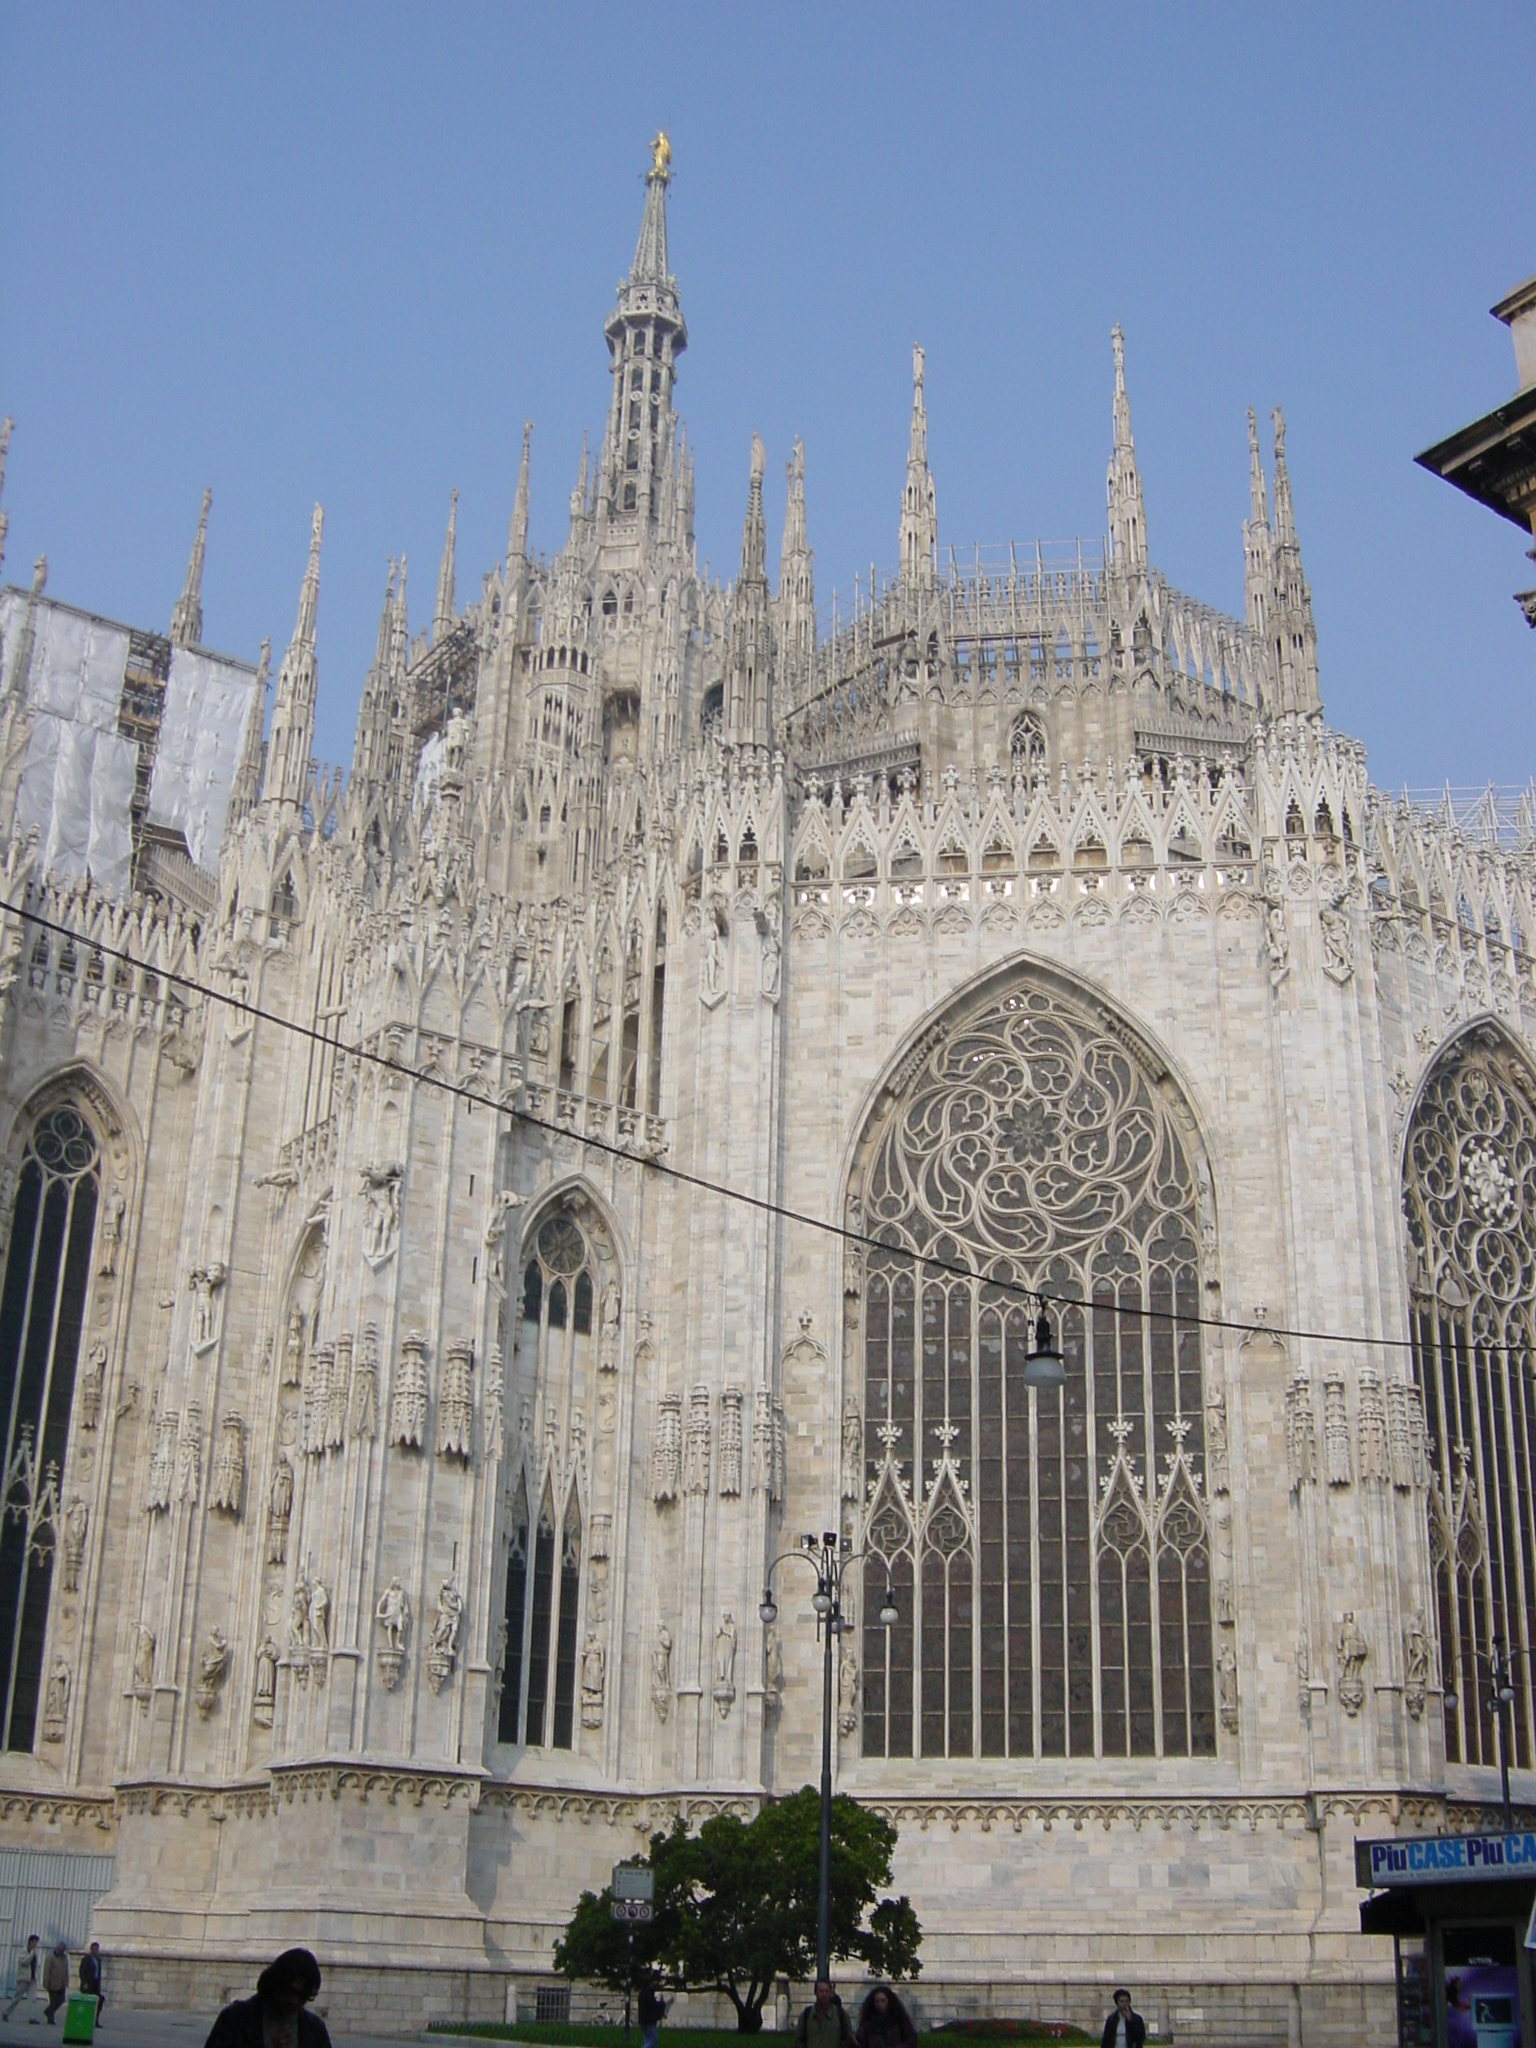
[1444, 1859]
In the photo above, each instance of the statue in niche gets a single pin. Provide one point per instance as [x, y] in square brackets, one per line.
[319, 1618]
[772, 966]
[293, 1349]
[92, 1381]
[298, 1617]
[853, 1449]
[445, 1635]
[847, 1692]
[661, 1672]
[713, 959]
[593, 1660]
[266, 1684]
[113, 1211]
[496, 1234]
[76, 1520]
[1350, 1652]
[381, 1225]
[1415, 1664]
[608, 1343]
[56, 1702]
[773, 1668]
[393, 1614]
[1226, 1686]
[143, 1660]
[206, 1282]
[279, 1510]
[212, 1668]
[725, 1664]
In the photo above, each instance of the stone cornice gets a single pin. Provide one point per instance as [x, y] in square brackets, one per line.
[57, 1809]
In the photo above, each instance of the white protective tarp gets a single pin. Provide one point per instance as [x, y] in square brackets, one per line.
[207, 702]
[77, 780]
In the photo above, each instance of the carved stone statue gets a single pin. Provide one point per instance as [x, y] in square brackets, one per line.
[76, 1520]
[319, 1617]
[113, 1211]
[445, 1635]
[206, 1282]
[393, 1614]
[298, 1617]
[713, 955]
[279, 1509]
[661, 1672]
[1350, 1652]
[144, 1660]
[608, 1346]
[1415, 1664]
[266, 1683]
[847, 1692]
[293, 1350]
[592, 1674]
[1226, 1687]
[773, 1668]
[725, 1664]
[853, 1449]
[772, 967]
[213, 1666]
[56, 1702]
[381, 1225]
[92, 1381]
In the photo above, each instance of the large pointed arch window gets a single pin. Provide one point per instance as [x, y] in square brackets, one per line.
[1469, 1196]
[555, 1358]
[1050, 1551]
[42, 1312]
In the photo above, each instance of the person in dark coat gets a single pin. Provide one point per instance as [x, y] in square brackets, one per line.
[653, 2011]
[90, 1977]
[275, 2017]
[1124, 2028]
[884, 2021]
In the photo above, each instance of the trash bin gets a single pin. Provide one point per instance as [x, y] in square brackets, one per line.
[80, 2016]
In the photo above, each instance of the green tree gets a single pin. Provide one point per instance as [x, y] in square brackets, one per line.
[735, 1906]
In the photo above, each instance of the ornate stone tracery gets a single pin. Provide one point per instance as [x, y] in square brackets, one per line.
[1033, 1141]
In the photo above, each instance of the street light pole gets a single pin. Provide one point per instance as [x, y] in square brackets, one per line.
[821, 1553]
[1503, 1693]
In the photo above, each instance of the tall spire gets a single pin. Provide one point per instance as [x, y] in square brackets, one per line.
[919, 539]
[751, 633]
[1291, 627]
[187, 618]
[650, 264]
[5, 518]
[245, 790]
[517, 533]
[370, 749]
[293, 708]
[443, 612]
[797, 589]
[1127, 515]
[1258, 542]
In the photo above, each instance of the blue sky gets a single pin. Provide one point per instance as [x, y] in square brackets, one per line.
[340, 253]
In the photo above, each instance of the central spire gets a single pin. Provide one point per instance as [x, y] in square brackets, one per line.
[187, 618]
[1127, 515]
[646, 334]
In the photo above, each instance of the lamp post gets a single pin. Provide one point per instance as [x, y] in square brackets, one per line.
[824, 1556]
[1501, 1673]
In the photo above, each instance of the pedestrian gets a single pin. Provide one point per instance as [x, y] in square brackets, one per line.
[90, 1977]
[56, 1979]
[652, 2012]
[1124, 2028]
[275, 2017]
[824, 2024]
[884, 2021]
[26, 1976]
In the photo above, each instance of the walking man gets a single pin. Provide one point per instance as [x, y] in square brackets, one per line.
[652, 2012]
[824, 2024]
[1124, 2028]
[90, 1977]
[56, 1979]
[26, 1976]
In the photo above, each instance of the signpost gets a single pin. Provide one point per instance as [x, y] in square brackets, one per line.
[634, 1897]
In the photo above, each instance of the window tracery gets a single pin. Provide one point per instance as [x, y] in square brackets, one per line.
[1050, 1552]
[42, 1312]
[1469, 1197]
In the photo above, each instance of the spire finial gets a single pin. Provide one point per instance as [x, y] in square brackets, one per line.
[187, 618]
[309, 592]
[293, 707]
[919, 537]
[1117, 342]
[1127, 514]
[444, 610]
[661, 156]
[753, 538]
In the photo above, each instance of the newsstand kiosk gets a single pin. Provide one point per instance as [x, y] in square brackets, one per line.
[1458, 1909]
